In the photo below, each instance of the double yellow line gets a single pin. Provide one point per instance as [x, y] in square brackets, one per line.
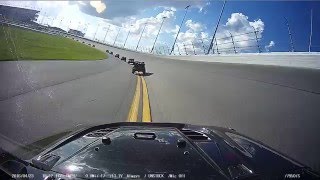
[134, 109]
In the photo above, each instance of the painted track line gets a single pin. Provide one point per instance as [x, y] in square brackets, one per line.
[146, 111]
[134, 109]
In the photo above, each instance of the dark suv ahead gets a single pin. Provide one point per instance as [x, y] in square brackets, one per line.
[139, 66]
[123, 58]
[117, 56]
[131, 61]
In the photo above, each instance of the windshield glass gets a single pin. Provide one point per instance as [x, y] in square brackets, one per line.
[248, 65]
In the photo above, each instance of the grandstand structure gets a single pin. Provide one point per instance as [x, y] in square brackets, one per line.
[18, 14]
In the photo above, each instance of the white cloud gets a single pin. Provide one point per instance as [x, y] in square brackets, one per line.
[153, 23]
[98, 5]
[172, 30]
[194, 26]
[203, 8]
[271, 44]
[191, 39]
[152, 28]
[204, 35]
[236, 24]
[168, 13]
[132, 8]
[239, 23]
[242, 31]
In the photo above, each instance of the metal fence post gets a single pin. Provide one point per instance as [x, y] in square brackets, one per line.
[204, 49]
[116, 37]
[158, 51]
[213, 52]
[185, 49]
[164, 50]
[217, 45]
[178, 49]
[234, 47]
[255, 32]
[194, 51]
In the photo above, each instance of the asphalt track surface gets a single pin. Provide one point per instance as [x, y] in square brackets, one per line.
[276, 105]
[41, 98]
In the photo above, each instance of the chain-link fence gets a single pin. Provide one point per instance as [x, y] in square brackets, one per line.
[223, 43]
[234, 43]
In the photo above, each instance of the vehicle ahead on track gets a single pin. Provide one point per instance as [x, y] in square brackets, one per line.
[129, 150]
[131, 61]
[123, 58]
[117, 55]
[139, 67]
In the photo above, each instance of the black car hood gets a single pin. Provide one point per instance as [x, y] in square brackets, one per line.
[131, 151]
[147, 150]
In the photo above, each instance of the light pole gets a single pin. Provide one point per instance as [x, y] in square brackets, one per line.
[215, 31]
[290, 35]
[96, 32]
[104, 39]
[310, 38]
[186, 8]
[163, 18]
[141, 35]
[116, 37]
[127, 36]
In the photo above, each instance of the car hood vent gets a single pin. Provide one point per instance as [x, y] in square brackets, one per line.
[100, 132]
[194, 135]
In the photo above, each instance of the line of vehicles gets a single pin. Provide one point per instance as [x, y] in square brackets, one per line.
[138, 67]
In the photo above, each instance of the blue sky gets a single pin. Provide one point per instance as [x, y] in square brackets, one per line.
[238, 18]
[272, 13]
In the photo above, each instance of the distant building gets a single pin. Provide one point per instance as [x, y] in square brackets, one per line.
[76, 32]
[18, 14]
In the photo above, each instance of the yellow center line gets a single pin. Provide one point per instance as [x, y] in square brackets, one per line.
[146, 112]
[134, 109]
